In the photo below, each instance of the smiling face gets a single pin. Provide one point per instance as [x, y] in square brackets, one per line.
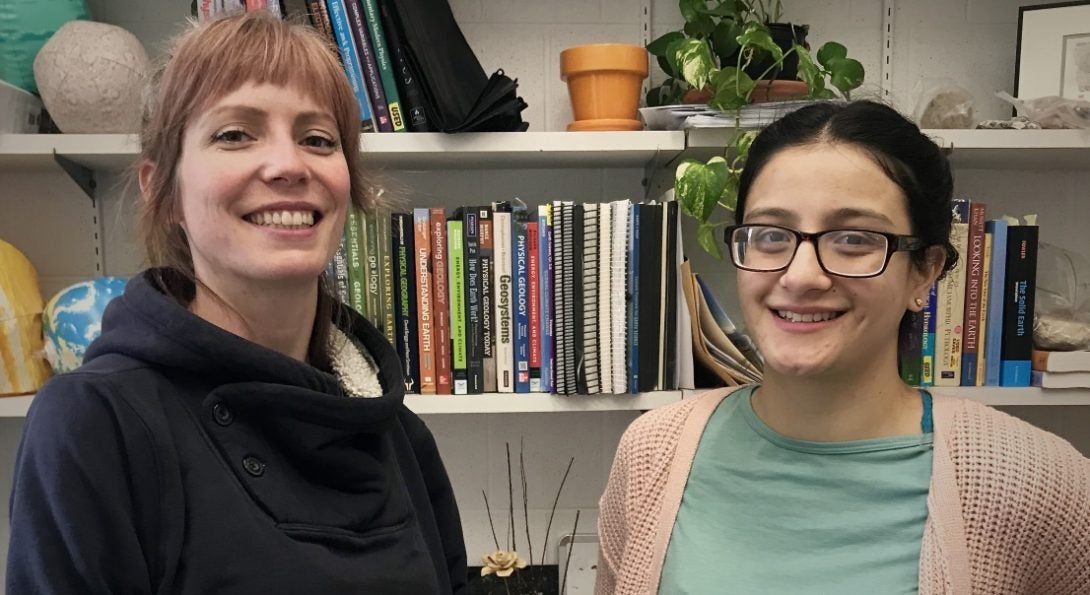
[263, 188]
[809, 323]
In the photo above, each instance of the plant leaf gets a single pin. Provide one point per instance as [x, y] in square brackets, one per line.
[702, 27]
[742, 145]
[731, 89]
[758, 36]
[698, 186]
[692, 9]
[660, 45]
[706, 237]
[829, 52]
[725, 40]
[666, 67]
[847, 74]
[729, 197]
[694, 62]
[723, 9]
[809, 72]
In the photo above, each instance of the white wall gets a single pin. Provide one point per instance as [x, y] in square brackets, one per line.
[970, 39]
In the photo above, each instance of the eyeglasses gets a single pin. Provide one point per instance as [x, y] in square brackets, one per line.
[855, 253]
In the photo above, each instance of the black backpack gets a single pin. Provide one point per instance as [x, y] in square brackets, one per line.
[455, 93]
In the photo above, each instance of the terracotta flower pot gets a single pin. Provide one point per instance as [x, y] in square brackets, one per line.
[604, 82]
[778, 91]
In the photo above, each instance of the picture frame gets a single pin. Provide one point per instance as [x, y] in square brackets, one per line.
[1053, 51]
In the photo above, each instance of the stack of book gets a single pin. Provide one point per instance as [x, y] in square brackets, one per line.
[563, 298]
[1061, 369]
[366, 37]
[977, 326]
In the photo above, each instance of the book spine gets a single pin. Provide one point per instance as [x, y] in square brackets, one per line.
[373, 286]
[910, 348]
[386, 263]
[605, 292]
[488, 328]
[562, 308]
[340, 273]
[670, 266]
[951, 309]
[618, 294]
[590, 382]
[369, 66]
[521, 300]
[338, 15]
[412, 98]
[534, 297]
[1018, 318]
[650, 295]
[355, 263]
[424, 312]
[504, 288]
[456, 280]
[973, 287]
[993, 341]
[318, 17]
[402, 235]
[927, 346]
[471, 234]
[545, 289]
[385, 68]
[632, 299]
[440, 301]
[985, 303]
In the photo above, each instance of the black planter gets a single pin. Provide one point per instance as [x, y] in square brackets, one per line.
[785, 35]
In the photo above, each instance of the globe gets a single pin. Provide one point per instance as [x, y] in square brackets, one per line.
[73, 318]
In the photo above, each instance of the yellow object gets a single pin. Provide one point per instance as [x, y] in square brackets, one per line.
[23, 368]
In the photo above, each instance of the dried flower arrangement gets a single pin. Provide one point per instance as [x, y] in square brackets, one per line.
[504, 571]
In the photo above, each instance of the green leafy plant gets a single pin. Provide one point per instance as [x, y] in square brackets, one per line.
[711, 60]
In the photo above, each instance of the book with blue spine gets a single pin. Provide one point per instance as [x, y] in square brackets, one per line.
[1019, 290]
[338, 16]
[993, 340]
[545, 288]
[520, 266]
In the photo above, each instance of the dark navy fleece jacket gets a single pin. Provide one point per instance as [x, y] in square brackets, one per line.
[184, 459]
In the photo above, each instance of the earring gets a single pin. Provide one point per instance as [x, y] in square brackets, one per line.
[919, 303]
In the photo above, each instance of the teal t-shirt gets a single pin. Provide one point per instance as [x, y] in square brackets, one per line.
[764, 513]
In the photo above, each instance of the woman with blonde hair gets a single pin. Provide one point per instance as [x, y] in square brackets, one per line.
[235, 429]
[832, 475]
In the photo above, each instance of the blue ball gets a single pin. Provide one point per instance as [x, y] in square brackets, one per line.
[73, 319]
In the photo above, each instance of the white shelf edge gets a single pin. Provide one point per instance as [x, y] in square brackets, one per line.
[15, 406]
[547, 403]
[116, 152]
[537, 402]
[1010, 396]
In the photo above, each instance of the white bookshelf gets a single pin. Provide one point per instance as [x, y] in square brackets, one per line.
[974, 149]
[425, 151]
[546, 403]
[486, 403]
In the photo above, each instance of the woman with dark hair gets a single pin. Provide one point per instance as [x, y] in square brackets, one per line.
[833, 475]
[235, 429]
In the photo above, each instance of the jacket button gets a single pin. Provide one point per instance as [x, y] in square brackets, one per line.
[253, 465]
[222, 414]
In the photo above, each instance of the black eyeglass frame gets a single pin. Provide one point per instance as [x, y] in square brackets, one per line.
[894, 243]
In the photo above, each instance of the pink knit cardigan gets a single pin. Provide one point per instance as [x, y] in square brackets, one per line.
[1008, 508]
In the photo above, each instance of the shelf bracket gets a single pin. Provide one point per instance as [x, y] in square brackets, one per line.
[81, 175]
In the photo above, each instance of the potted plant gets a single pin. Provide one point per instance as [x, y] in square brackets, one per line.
[730, 53]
